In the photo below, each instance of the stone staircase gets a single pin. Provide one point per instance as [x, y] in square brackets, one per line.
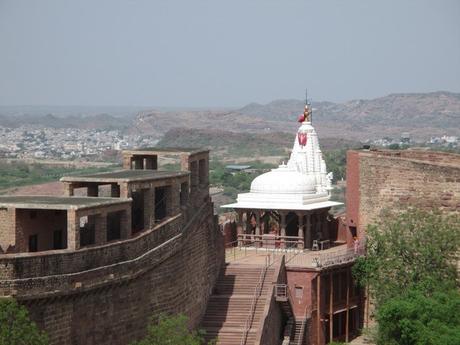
[230, 304]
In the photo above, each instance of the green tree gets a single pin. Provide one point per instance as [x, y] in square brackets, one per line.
[170, 330]
[413, 249]
[15, 326]
[416, 319]
[410, 268]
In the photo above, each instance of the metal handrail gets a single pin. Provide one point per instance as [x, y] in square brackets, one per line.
[257, 293]
[340, 256]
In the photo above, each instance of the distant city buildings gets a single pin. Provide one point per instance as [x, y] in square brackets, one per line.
[405, 139]
[65, 143]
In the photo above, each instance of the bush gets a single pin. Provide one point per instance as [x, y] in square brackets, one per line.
[171, 330]
[15, 326]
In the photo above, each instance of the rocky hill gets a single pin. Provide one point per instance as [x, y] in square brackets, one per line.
[231, 145]
[421, 114]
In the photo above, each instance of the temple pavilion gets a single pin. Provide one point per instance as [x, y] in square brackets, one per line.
[288, 207]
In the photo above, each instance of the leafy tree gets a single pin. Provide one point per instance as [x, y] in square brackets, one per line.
[411, 270]
[336, 163]
[413, 249]
[170, 330]
[417, 319]
[15, 326]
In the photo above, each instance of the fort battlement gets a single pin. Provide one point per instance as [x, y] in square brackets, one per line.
[93, 270]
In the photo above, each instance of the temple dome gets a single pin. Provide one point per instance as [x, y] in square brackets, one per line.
[283, 180]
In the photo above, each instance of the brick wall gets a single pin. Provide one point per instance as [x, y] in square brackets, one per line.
[112, 304]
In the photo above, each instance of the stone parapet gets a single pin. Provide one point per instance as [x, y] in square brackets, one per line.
[60, 262]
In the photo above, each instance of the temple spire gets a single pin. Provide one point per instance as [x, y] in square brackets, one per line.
[308, 111]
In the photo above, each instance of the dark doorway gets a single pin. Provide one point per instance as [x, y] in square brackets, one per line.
[33, 243]
[113, 226]
[137, 214]
[87, 231]
[183, 194]
[292, 224]
[160, 203]
[58, 239]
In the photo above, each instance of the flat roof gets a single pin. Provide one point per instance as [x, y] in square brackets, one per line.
[58, 203]
[124, 176]
[165, 150]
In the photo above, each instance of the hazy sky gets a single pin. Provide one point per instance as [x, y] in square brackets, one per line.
[223, 53]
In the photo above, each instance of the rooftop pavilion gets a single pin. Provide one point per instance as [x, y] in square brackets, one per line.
[42, 223]
[156, 194]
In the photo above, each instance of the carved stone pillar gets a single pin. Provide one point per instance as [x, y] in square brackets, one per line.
[300, 233]
[68, 188]
[326, 226]
[283, 229]
[240, 227]
[258, 240]
[318, 227]
[308, 237]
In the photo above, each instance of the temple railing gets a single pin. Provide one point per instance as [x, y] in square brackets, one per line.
[270, 241]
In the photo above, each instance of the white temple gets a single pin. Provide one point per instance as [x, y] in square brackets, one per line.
[301, 184]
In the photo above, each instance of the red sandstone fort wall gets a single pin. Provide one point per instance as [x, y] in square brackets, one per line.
[396, 181]
[112, 304]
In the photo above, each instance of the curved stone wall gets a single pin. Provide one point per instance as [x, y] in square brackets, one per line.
[170, 269]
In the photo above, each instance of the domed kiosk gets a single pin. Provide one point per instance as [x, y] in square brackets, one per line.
[289, 206]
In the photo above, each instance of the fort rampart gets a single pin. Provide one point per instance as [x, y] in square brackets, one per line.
[106, 294]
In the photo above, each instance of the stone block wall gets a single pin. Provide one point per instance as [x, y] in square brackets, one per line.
[380, 180]
[7, 237]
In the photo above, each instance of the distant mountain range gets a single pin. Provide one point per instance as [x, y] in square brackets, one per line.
[422, 115]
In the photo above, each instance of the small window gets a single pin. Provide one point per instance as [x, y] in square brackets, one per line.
[353, 231]
[299, 292]
[33, 243]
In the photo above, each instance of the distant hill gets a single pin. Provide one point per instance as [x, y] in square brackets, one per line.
[421, 114]
[233, 144]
